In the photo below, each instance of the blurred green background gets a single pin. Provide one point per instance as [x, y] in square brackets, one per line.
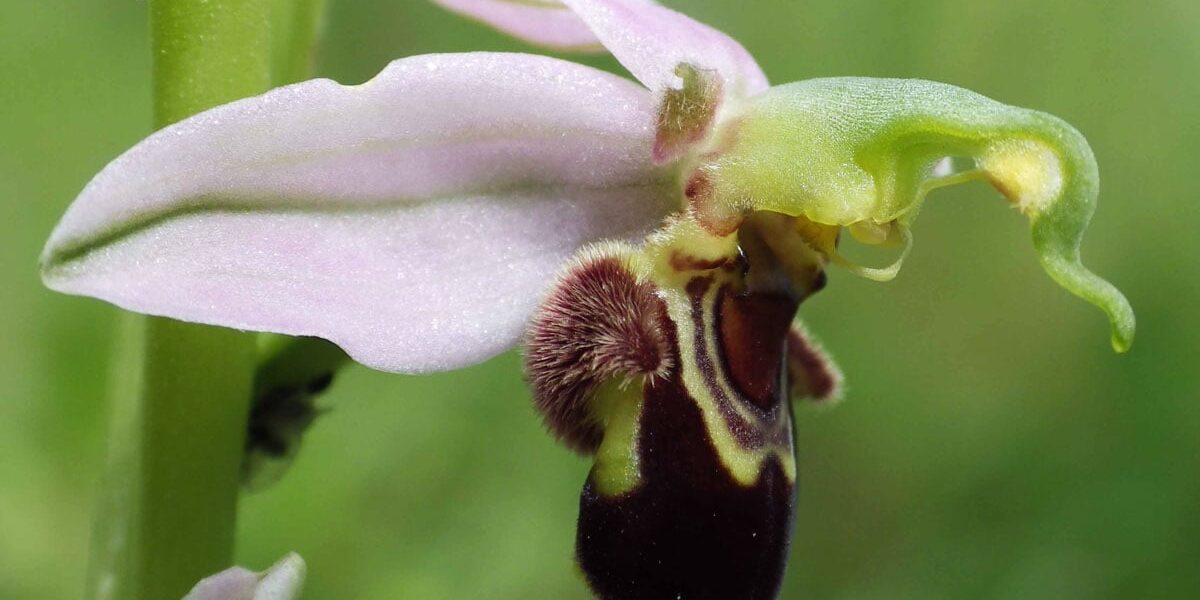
[990, 446]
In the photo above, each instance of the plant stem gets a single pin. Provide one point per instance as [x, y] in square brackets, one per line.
[178, 421]
[207, 52]
[295, 28]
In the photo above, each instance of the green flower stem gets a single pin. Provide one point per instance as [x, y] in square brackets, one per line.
[207, 52]
[167, 513]
[295, 28]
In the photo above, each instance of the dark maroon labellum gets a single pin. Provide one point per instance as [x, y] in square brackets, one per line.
[714, 381]
[691, 530]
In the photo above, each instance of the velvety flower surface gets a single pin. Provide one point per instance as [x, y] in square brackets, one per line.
[652, 243]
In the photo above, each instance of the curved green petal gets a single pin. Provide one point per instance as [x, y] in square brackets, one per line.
[853, 151]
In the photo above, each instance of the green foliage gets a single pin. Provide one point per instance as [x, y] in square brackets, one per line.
[296, 27]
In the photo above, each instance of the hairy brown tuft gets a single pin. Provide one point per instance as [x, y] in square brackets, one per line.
[599, 323]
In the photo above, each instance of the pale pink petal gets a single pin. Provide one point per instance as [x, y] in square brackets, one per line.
[651, 40]
[283, 581]
[414, 220]
[234, 583]
[542, 22]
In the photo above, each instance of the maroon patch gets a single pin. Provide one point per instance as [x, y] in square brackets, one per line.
[752, 332]
[690, 530]
[698, 186]
[686, 262]
[810, 374]
[769, 426]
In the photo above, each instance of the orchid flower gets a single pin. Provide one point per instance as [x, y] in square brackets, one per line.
[649, 243]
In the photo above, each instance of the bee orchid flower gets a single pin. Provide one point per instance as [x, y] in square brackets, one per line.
[650, 243]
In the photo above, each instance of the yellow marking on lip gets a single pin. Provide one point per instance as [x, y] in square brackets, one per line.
[712, 344]
[618, 459]
[742, 464]
[688, 235]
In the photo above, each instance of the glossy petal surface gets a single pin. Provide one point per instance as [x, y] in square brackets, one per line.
[414, 220]
[651, 40]
[542, 22]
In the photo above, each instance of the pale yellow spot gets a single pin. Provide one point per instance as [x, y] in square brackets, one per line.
[618, 464]
[1027, 172]
[744, 465]
[870, 232]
